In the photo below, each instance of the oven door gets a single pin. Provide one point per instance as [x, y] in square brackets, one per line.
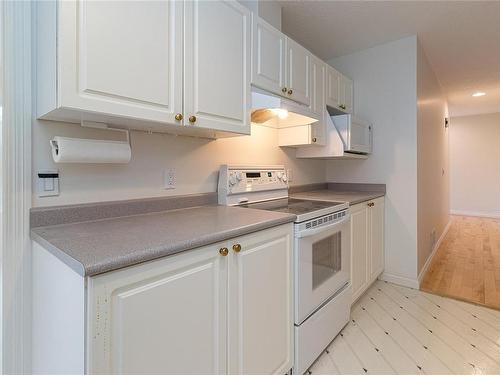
[322, 265]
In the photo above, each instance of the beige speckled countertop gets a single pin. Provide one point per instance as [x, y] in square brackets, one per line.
[95, 247]
[353, 197]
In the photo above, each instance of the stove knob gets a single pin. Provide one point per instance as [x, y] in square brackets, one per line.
[280, 175]
[284, 178]
[232, 180]
[239, 176]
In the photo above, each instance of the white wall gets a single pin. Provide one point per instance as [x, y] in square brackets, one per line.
[385, 92]
[432, 160]
[195, 160]
[475, 165]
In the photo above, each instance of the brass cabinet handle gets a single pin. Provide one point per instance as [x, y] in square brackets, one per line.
[237, 248]
[223, 251]
[290, 92]
[283, 90]
[192, 119]
[371, 204]
[179, 117]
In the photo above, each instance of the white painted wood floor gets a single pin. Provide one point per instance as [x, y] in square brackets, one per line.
[397, 330]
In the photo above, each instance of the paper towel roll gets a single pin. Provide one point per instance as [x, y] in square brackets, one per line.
[76, 150]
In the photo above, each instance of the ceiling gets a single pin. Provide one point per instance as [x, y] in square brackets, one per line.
[461, 39]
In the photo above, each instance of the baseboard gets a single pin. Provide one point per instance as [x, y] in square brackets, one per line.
[434, 250]
[400, 280]
[494, 215]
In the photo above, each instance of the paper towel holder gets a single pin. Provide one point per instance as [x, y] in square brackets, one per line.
[104, 126]
[94, 125]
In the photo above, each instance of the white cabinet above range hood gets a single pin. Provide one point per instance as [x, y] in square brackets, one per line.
[281, 74]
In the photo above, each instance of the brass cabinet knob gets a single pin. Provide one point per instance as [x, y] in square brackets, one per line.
[371, 204]
[237, 248]
[179, 117]
[192, 119]
[223, 251]
[283, 90]
[314, 140]
[290, 92]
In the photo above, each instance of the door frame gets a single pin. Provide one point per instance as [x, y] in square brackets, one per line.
[16, 186]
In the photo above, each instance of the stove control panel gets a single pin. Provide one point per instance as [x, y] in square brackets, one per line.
[252, 182]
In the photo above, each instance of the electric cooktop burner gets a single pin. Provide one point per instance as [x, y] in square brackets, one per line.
[299, 207]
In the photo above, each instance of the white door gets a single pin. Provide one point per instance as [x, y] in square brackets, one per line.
[261, 303]
[332, 89]
[268, 57]
[359, 249]
[376, 232]
[164, 317]
[121, 58]
[217, 65]
[346, 94]
[318, 83]
[298, 72]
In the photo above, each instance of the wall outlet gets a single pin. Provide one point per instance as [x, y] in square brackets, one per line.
[169, 178]
[433, 238]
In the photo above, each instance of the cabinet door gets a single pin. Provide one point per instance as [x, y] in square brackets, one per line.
[359, 249]
[318, 81]
[261, 303]
[332, 87]
[376, 233]
[298, 72]
[346, 94]
[121, 58]
[164, 317]
[217, 65]
[268, 56]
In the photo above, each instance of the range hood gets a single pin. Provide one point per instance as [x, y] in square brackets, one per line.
[277, 112]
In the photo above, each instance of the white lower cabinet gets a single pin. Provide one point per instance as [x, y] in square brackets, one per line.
[221, 309]
[367, 244]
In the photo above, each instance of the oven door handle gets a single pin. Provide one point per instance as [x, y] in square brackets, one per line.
[312, 232]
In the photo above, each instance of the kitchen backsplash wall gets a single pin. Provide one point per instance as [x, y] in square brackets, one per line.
[196, 163]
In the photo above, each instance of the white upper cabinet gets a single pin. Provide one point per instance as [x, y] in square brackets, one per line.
[332, 87]
[298, 72]
[318, 83]
[318, 104]
[115, 58]
[268, 56]
[346, 94]
[145, 64]
[217, 65]
[279, 64]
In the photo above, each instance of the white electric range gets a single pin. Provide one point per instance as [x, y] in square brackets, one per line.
[321, 253]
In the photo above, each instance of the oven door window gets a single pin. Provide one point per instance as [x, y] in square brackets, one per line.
[326, 259]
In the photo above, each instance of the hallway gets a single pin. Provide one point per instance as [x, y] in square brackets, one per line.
[467, 263]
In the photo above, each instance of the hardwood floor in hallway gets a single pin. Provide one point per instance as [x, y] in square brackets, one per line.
[467, 264]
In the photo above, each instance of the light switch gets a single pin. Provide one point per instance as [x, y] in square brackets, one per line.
[48, 182]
